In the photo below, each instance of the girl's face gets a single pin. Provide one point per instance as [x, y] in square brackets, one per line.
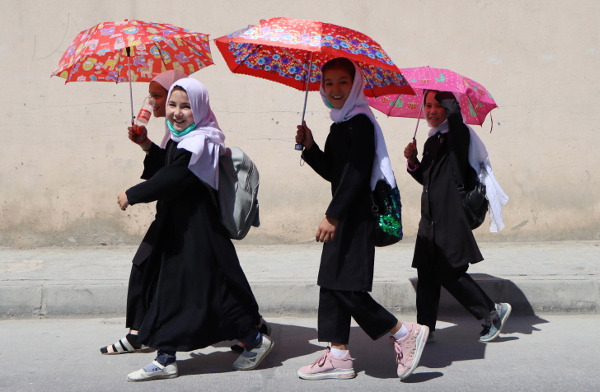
[159, 94]
[435, 114]
[179, 110]
[337, 84]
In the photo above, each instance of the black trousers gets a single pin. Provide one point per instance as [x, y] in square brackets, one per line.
[459, 284]
[336, 307]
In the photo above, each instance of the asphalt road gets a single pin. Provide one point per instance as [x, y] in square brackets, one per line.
[535, 353]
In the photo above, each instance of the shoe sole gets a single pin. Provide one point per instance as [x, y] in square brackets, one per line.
[338, 374]
[161, 377]
[502, 322]
[421, 342]
[260, 360]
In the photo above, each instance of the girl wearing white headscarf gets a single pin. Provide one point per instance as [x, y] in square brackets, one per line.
[445, 245]
[196, 291]
[354, 159]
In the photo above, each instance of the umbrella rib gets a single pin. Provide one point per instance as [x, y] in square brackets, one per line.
[162, 58]
[473, 106]
[256, 48]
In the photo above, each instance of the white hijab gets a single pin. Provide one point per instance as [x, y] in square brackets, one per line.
[206, 141]
[479, 160]
[357, 104]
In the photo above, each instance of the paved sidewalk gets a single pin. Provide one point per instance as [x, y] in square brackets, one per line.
[540, 277]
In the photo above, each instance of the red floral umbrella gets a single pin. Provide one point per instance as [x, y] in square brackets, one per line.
[292, 52]
[132, 51]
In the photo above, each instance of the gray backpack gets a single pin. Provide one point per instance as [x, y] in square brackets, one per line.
[238, 193]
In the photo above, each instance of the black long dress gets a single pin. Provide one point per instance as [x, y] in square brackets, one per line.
[444, 239]
[347, 261]
[194, 290]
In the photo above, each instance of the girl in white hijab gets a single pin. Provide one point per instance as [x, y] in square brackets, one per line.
[445, 246]
[354, 159]
[196, 292]
[480, 162]
[203, 138]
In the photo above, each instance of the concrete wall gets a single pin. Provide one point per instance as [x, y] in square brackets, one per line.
[66, 155]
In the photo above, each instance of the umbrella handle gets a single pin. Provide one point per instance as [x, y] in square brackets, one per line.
[418, 119]
[128, 50]
[300, 146]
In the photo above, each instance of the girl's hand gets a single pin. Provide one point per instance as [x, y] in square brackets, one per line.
[122, 201]
[326, 230]
[304, 136]
[139, 135]
[410, 152]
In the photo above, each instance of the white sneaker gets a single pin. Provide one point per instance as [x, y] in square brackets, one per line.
[154, 371]
[249, 360]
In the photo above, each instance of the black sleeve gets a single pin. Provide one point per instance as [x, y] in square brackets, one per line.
[417, 174]
[154, 161]
[167, 183]
[357, 170]
[315, 158]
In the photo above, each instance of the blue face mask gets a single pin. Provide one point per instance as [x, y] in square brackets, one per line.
[182, 133]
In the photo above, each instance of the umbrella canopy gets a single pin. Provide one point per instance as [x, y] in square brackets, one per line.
[475, 101]
[107, 51]
[292, 52]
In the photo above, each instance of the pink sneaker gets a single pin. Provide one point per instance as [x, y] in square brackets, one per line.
[328, 366]
[408, 350]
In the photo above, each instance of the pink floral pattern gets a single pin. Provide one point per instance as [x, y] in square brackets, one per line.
[99, 53]
[281, 49]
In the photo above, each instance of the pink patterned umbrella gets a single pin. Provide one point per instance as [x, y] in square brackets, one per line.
[475, 101]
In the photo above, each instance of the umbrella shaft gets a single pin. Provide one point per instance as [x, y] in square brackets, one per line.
[299, 145]
[418, 119]
[130, 88]
[307, 86]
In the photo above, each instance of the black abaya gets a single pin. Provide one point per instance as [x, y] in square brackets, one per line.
[195, 292]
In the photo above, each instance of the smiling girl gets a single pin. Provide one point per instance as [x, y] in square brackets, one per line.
[354, 159]
[196, 291]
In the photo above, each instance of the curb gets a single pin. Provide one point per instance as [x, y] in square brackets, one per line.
[527, 297]
[91, 282]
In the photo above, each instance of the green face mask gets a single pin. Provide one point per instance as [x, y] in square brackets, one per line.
[182, 133]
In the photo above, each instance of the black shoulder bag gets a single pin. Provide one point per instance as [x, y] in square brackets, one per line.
[474, 201]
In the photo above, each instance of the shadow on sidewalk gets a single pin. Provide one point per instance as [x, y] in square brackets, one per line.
[456, 339]
[499, 290]
[290, 341]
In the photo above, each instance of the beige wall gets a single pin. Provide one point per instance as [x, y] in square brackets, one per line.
[66, 155]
